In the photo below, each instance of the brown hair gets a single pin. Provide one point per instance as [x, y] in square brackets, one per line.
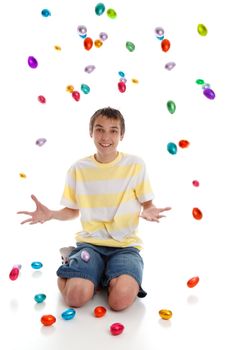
[109, 113]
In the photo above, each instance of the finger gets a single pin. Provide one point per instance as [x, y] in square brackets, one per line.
[24, 212]
[164, 209]
[33, 197]
[24, 222]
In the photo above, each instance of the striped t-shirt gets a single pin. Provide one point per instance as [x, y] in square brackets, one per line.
[109, 197]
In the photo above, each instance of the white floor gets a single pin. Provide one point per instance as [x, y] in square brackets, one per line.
[202, 316]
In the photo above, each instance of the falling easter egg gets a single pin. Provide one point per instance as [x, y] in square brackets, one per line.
[123, 79]
[159, 31]
[57, 47]
[135, 81]
[22, 175]
[209, 93]
[195, 183]
[41, 141]
[70, 88]
[111, 13]
[100, 311]
[99, 9]
[165, 45]
[205, 86]
[197, 214]
[130, 46]
[39, 298]
[121, 74]
[172, 148]
[68, 314]
[85, 89]
[32, 62]
[88, 43]
[45, 13]
[89, 69]
[76, 95]
[200, 82]
[165, 314]
[121, 86]
[169, 65]
[202, 30]
[41, 99]
[171, 106]
[192, 282]
[98, 43]
[183, 143]
[116, 328]
[36, 265]
[14, 274]
[82, 30]
[85, 256]
[48, 320]
[103, 36]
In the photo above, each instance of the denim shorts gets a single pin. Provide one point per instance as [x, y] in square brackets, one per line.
[104, 264]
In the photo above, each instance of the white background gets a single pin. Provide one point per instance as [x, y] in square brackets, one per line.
[177, 248]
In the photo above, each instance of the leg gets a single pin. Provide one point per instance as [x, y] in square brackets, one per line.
[78, 278]
[123, 291]
[76, 291]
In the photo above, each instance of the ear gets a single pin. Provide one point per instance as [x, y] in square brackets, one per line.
[122, 136]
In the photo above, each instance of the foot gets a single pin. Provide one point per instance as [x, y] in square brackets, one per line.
[65, 252]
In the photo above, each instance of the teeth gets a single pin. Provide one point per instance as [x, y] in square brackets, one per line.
[105, 144]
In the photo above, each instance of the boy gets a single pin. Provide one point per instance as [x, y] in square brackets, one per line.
[108, 190]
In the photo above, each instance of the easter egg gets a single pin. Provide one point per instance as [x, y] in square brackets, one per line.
[48, 320]
[172, 148]
[36, 265]
[197, 214]
[193, 282]
[39, 298]
[165, 314]
[202, 30]
[116, 328]
[68, 314]
[99, 9]
[171, 106]
[99, 311]
[165, 45]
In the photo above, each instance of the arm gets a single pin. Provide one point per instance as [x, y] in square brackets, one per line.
[151, 213]
[42, 213]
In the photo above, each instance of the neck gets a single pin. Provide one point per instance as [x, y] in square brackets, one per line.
[106, 158]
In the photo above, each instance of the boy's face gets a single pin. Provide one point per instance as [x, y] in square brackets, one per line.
[106, 135]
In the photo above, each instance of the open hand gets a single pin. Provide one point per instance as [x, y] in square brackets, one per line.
[41, 214]
[153, 214]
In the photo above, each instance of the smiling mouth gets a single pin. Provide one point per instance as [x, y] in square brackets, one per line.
[105, 145]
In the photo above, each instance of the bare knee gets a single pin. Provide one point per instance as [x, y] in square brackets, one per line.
[122, 292]
[76, 291]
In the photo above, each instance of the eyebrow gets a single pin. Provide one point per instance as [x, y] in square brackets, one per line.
[101, 126]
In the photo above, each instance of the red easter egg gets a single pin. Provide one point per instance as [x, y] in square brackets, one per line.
[48, 320]
[41, 99]
[165, 45]
[193, 282]
[197, 214]
[76, 95]
[99, 311]
[183, 143]
[88, 43]
[116, 328]
[121, 86]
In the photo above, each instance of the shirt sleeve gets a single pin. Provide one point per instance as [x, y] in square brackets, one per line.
[69, 197]
[143, 189]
